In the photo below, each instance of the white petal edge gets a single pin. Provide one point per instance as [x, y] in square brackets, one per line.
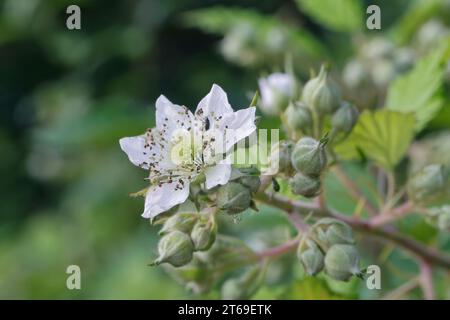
[134, 148]
[240, 126]
[215, 102]
[217, 175]
[170, 117]
[160, 199]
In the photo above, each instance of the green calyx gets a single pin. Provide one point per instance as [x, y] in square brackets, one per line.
[310, 256]
[304, 185]
[204, 233]
[280, 158]
[183, 221]
[429, 184]
[309, 156]
[331, 231]
[175, 248]
[345, 118]
[249, 177]
[342, 262]
[233, 197]
[298, 117]
[322, 94]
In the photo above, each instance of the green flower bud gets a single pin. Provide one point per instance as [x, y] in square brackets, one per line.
[204, 233]
[444, 220]
[345, 118]
[309, 157]
[298, 117]
[304, 185]
[428, 184]
[233, 197]
[321, 94]
[342, 262]
[280, 158]
[439, 217]
[250, 178]
[243, 287]
[183, 221]
[175, 248]
[332, 231]
[232, 290]
[311, 257]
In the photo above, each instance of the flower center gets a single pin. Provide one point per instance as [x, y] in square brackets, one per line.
[186, 149]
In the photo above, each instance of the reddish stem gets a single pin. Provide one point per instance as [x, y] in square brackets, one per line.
[277, 251]
[426, 280]
[416, 248]
[394, 214]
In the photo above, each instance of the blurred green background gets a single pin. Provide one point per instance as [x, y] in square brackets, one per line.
[66, 97]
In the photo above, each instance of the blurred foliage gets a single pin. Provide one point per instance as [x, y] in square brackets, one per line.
[66, 97]
[347, 15]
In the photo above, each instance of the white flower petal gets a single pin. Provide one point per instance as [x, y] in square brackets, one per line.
[273, 88]
[161, 198]
[239, 126]
[170, 117]
[135, 149]
[282, 82]
[217, 175]
[214, 104]
[267, 96]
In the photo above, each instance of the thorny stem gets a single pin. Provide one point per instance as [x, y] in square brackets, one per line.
[417, 249]
[353, 189]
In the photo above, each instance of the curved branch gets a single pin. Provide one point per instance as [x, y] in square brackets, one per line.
[277, 251]
[416, 248]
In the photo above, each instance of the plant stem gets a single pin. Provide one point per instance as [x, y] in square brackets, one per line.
[279, 250]
[415, 248]
[394, 214]
[426, 280]
[399, 292]
[390, 186]
[298, 222]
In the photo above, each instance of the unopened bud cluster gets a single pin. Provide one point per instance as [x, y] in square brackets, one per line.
[309, 159]
[183, 234]
[236, 196]
[330, 246]
[320, 99]
[377, 63]
[429, 184]
[440, 217]
[242, 287]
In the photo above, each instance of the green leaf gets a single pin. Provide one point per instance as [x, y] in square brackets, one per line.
[382, 136]
[338, 15]
[419, 90]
